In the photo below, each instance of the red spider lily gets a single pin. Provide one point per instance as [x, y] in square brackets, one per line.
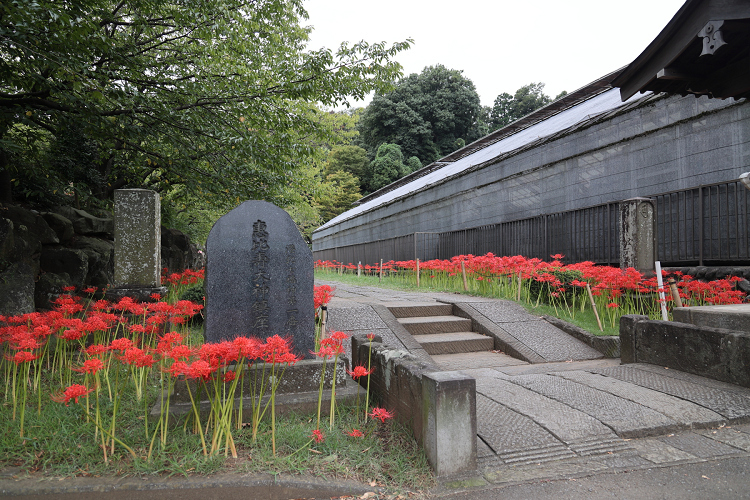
[229, 376]
[355, 433]
[318, 436]
[325, 351]
[248, 347]
[156, 296]
[359, 371]
[73, 392]
[91, 289]
[24, 357]
[381, 414]
[180, 352]
[322, 295]
[370, 337]
[120, 344]
[69, 288]
[100, 305]
[339, 336]
[199, 369]
[90, 366]
[95, 350]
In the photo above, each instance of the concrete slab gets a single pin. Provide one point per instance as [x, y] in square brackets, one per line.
[699, 446]
[684, 413]
[564, 366]
[566, 423]
[513, 436]
[659, 452]
[723, 402]
[732, 437]
[626, 418]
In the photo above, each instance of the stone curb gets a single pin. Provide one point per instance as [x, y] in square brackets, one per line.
[192, 487]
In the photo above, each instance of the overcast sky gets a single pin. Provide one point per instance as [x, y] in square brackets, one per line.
[501, 45]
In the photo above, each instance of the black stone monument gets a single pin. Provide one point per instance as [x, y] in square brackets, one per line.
[259, 278]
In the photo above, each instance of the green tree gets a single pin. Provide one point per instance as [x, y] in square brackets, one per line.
[387, 167]
[341, 189]
[428, 115]
[352, 159]
[218, 96]
[509, 108]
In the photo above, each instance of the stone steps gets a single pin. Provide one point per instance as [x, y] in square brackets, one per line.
[438, 331]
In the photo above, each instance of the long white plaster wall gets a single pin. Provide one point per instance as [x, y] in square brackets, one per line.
[665, 144]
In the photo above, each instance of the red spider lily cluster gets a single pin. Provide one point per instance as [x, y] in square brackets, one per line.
[616, 292]
[88, 349]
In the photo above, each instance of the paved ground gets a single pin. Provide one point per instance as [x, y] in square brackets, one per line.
[574, 415]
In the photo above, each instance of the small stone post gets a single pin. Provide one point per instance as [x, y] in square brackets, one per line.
[637, 234]
[137, 244]
[449, 420]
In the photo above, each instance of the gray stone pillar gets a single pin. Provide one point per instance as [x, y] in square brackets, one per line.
[449, 416]
[137, 243]
[637, 234]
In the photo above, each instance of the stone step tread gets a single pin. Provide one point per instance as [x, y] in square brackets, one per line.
[435, 324]
[431, 319]
[421, 309]
[454, 343]
[450, 337]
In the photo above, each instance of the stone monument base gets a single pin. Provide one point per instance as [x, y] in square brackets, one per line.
[297, 392]
[140, 294]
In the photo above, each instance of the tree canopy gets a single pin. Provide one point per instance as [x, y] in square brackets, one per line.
[428, 115]
[509, 108]
[219, 97]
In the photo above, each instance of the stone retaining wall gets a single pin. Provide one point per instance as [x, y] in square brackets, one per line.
[709, 352]
[439, 407]
[43, 251]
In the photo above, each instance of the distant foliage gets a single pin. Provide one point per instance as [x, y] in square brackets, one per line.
[429, 115]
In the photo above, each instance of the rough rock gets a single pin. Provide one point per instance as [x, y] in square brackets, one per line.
[34, 223]
[100, 255]
[61, 225]
[17, 289]
[66, 260]
[7, 242]
[48, 288]
[86, 224]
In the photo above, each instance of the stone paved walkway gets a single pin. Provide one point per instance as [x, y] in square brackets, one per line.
[574, 414]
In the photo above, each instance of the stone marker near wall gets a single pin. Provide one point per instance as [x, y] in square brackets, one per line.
[137, 244]
[637, 230]
[259, 278]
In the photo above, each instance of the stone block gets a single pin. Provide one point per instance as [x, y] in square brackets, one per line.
[627, 337]
[259, 277]
[637, 230]
[449, 422]
[731, 317]
[137, 239]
